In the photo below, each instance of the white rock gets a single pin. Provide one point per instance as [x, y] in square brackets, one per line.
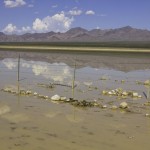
[124, 93]
[114, 107]
[123, 105]
[35, 93]
[88, 83]
[104, 106]
[135, 94]
[55, 98]
[28, 92]
[147, 115]
[62, 98]
[110, 93]
[147, 82]
[46, 97]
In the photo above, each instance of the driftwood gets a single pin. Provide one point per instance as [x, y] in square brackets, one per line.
[52, 85]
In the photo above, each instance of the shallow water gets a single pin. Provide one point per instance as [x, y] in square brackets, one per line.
[31, 123]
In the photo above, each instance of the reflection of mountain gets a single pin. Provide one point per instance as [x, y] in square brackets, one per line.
[123, 61]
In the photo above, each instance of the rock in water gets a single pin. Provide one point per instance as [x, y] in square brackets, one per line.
[123, 105]
[135, 94]
[55, 98]
[147, 82]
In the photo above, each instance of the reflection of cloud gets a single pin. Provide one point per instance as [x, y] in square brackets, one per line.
[56, 71]
[9, 63]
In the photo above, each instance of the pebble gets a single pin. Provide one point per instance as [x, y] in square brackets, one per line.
[114, 107]
[123, 105]
[35, 93]
[147, 115]
[104, 106]
[135, 94]
[56, 98]
[62, 98]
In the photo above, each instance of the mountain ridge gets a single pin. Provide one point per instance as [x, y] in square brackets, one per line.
[79, 34]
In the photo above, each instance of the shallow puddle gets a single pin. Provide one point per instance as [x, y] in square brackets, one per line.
[33, 123]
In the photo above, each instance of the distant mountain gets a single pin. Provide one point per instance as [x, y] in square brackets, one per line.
[82, 35]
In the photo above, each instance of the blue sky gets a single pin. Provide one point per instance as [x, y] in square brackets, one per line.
[22, 16]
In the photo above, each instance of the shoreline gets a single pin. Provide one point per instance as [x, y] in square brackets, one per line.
[77, 49]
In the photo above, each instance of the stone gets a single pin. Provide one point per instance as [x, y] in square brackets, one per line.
[35, 93]
[46, 97]
[62, 98]
[123, 105]
[28, 92]
[147, 115]
[134, 94]
[104, 106]
[124, 93]
[147, 82]
[122, 81]
[22, 92]
[56, 98]
[104, 92]
[114, 107]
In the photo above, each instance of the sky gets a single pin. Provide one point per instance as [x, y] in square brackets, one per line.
[41, 16]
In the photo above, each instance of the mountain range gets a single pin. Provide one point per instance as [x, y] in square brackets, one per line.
[79, 34]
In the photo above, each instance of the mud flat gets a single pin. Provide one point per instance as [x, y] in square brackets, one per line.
[110, 109]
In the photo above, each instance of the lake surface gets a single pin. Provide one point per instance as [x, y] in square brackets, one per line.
[28, 122]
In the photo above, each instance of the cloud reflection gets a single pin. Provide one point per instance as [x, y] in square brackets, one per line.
[56, 71]
[9, 63]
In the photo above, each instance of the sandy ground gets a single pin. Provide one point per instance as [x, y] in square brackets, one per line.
[31, 123]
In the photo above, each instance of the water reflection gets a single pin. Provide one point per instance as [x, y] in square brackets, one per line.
[56, 71]
[38, 118]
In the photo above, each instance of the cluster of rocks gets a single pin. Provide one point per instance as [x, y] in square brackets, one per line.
[9, 90]
[147, 82]
[122, 93]
[84, 103]
[74, 102]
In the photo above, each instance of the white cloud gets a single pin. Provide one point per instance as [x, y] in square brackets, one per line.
[75, 12]
[90, 12]
[26, 29]
[39, 25]
[14, 3]
[58, 23]
[10, 29]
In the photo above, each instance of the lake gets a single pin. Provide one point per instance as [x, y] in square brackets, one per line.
[30, 121]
